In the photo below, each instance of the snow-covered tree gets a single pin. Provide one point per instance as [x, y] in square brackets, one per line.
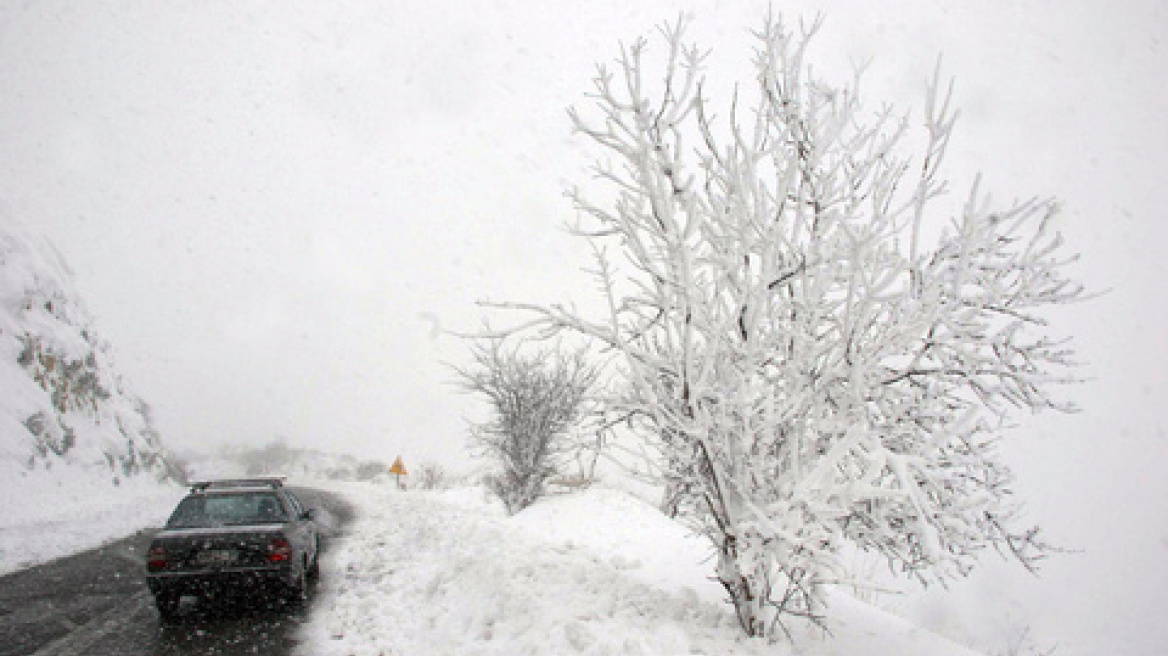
[535, 398]
[819, 348]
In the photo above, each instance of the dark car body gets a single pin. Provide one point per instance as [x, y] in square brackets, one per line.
[233, 536]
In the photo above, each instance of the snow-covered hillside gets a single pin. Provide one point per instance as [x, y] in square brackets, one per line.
[598, 572]
[71, 429]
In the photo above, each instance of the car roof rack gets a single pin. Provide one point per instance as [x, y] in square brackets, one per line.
[233, 483]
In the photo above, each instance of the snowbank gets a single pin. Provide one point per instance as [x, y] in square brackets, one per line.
[53, 514]
[593, 573]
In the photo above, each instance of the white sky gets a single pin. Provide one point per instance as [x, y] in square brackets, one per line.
[274, 207]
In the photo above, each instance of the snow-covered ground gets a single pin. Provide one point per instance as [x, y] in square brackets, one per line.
[48, 516]
[597, 572]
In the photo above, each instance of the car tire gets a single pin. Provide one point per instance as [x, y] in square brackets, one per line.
[298, 587]
[314, 566]
[167, 603]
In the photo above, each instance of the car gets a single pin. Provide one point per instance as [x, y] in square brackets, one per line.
[249, 535]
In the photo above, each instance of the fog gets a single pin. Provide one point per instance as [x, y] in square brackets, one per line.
[275, 211]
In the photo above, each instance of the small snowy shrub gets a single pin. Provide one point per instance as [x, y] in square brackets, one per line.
[432, 476]
[535, 399]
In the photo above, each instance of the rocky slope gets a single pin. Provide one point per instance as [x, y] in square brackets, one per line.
[65, 412]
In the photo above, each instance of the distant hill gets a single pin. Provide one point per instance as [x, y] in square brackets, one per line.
[277, 458]
[66, 414]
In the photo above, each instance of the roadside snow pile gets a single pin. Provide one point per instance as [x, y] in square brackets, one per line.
[594, 573]
[65, 511]
[632, 535]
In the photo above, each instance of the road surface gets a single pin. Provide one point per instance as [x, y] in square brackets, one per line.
[96, 604]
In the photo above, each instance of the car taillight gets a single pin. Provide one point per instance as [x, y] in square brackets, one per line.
[156, 558]
[279, 550]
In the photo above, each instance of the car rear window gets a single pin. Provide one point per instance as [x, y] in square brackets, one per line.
[231, 509]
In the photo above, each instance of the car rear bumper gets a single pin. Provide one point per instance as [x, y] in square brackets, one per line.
[226, 580]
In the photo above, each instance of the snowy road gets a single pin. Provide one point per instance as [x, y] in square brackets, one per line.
[96, 604]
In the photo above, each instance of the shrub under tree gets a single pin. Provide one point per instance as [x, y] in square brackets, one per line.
[818, 348]
[535, 399]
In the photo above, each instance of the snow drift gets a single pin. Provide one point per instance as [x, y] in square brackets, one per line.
[597, 572]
